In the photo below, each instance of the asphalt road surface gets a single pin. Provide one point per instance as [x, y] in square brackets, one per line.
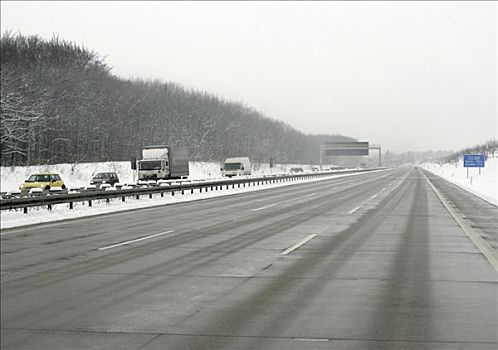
[372, 261]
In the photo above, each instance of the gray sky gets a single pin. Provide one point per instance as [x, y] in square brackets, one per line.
[408, 75]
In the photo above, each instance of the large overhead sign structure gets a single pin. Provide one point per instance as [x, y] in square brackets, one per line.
[346, 148]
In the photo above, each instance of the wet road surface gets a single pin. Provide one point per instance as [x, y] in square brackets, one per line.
[372, 261]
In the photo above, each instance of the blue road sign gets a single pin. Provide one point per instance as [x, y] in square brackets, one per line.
[473, 160]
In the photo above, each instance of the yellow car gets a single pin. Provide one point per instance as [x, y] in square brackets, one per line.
[43, 181]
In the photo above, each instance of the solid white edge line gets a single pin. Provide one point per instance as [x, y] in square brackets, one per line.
[489, 253]
[298, 244]
[353, 210]
[134, 240]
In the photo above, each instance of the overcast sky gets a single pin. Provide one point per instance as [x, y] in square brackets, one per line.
[408, 75]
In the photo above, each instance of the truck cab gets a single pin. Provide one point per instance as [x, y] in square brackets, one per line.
[236, 167]
[153, 169]
[163, 162]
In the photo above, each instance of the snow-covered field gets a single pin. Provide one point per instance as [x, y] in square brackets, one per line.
[483, 185]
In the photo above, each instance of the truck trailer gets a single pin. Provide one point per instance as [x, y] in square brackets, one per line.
[163, 162]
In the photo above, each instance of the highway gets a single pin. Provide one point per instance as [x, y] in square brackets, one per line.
[371, 261]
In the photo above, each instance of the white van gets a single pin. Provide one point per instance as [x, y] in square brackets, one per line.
[236, 167]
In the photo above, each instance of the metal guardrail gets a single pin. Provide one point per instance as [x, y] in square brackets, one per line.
[90, 196]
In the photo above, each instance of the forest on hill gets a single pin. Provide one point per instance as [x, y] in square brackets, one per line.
[488, 148]
[60, 103]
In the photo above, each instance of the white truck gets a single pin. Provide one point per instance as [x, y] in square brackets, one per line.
[236, 166]
[162, 162]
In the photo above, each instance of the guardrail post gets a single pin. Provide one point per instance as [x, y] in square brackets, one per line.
[191, 191]
[233, 185]
[150, 195]
[49, 207]
[227, 186]
[70, 205]
[123, 199]
[239, 185]
[138, 196]
[200, 189]
[183, 191]
[162, 194]
[25, 210]
[89, 202]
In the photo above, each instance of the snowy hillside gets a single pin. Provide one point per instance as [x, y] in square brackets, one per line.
[483, 185]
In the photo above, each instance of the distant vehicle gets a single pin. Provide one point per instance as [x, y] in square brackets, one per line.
[296, 170]
[104, 178]
[44, 181]
[336, 167]
[162, 162]
[315, 169]
[236, 166]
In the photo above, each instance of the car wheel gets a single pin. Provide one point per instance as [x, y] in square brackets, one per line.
[63, 187]
[47, 188]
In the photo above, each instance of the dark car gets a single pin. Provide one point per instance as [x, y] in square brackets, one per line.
[104, 178]
[296, 170]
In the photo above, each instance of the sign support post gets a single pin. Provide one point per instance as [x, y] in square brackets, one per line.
[379, 148]
[321, 157]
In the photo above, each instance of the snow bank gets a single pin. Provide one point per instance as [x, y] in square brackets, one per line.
[483, 185]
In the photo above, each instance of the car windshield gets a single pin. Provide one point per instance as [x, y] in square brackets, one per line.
[232, 166]
[149, 165]
[39, 178]
[102, 176]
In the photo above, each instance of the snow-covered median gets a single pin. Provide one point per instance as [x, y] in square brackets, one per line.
[80, 174]
[483, 185]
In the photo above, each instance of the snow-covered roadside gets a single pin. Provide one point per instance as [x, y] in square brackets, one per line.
[483, 185]
[59, 212]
